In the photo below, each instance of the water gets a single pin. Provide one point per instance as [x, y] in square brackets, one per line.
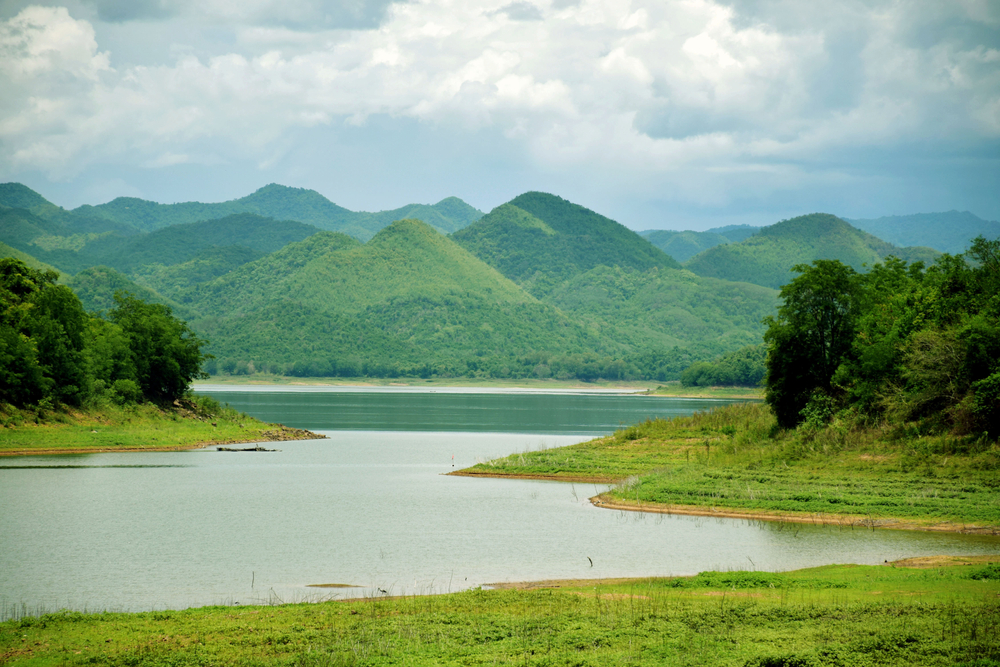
[137, 531]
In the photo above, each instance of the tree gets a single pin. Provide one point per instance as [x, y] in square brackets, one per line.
[165, 352]
[810, 337]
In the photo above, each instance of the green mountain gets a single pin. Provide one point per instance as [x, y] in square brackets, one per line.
[949, 232]
[666, 308]
[735, 233]
[96, 287]
[682, 246]
[7, 251]
[767, 257]
[282, 203]
[540, 241]
[181, 243]
[408, 301]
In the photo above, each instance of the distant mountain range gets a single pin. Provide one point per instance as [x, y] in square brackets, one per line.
[949, 232]
[537, 287]
[767, 257]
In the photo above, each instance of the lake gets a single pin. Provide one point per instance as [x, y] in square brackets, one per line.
[370, 507]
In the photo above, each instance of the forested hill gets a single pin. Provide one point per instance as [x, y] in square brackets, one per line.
[540, 241]
[767, 257]
[949, 232]
[282, 203]
[408, 302]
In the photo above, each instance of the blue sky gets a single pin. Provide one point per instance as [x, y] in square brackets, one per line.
[674, 115]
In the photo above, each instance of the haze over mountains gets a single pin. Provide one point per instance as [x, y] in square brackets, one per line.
[286, 281]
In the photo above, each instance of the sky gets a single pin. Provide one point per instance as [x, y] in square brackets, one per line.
[685, 114]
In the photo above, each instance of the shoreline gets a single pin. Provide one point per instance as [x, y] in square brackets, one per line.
[719, 512]
[285, 434]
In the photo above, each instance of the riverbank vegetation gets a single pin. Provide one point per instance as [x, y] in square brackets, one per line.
[945, 614]
[736, 459]
[190, 422]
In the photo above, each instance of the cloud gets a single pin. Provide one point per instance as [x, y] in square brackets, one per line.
[701, 100]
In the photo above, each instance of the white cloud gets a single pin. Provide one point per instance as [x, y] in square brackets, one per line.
[647, 91]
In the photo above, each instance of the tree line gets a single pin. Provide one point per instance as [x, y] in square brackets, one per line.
[902, 343]
[52, 351]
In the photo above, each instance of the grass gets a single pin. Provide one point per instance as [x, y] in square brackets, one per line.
[734, 459]
[196, 421]
[834, 615]
[676, 389]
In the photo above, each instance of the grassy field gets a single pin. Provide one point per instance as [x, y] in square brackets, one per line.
[948, 614]
[732, 460]
[187, 424]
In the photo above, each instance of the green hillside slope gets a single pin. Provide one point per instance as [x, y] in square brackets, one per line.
[540, 241]
[767, 257]
[181, 243]
[949, 232]
[408, 301]
[8, 251]
[682, 246]
[663, 309]
[96, 287]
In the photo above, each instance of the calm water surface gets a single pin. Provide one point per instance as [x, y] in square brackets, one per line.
[370, 508]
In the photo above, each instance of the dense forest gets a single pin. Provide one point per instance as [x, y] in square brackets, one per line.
[53, 352]
[902, 342]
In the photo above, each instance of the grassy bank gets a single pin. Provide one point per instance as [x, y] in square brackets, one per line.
[677, 390]
[835, 615]
[732, 459]
[144, 427]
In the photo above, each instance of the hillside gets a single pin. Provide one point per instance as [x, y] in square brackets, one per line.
[767, 257]
[949, 232]
[682, 246]
[96, 288]
[408, 301]
[667, 310]
[540, 241]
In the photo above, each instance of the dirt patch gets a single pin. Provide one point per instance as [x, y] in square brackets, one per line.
[928, 562]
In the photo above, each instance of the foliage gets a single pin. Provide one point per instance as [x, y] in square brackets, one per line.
[52, 351]
[165, 353]
[810, 337]
[921, 344]
[744, 367]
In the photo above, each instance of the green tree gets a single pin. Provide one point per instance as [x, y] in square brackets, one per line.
[810, 337]
[165, 353]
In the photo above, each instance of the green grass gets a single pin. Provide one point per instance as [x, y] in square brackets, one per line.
[147, 427]
[835, 615]
[734, 459]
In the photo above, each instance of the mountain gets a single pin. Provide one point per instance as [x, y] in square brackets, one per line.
[96, 287]
[735, 233]
[7, 251]
[682, 246]
[180, 243]
[540, 241]
[407, 301]
[767, 257]
[949, 232]
[282, 203]
[667, 308]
